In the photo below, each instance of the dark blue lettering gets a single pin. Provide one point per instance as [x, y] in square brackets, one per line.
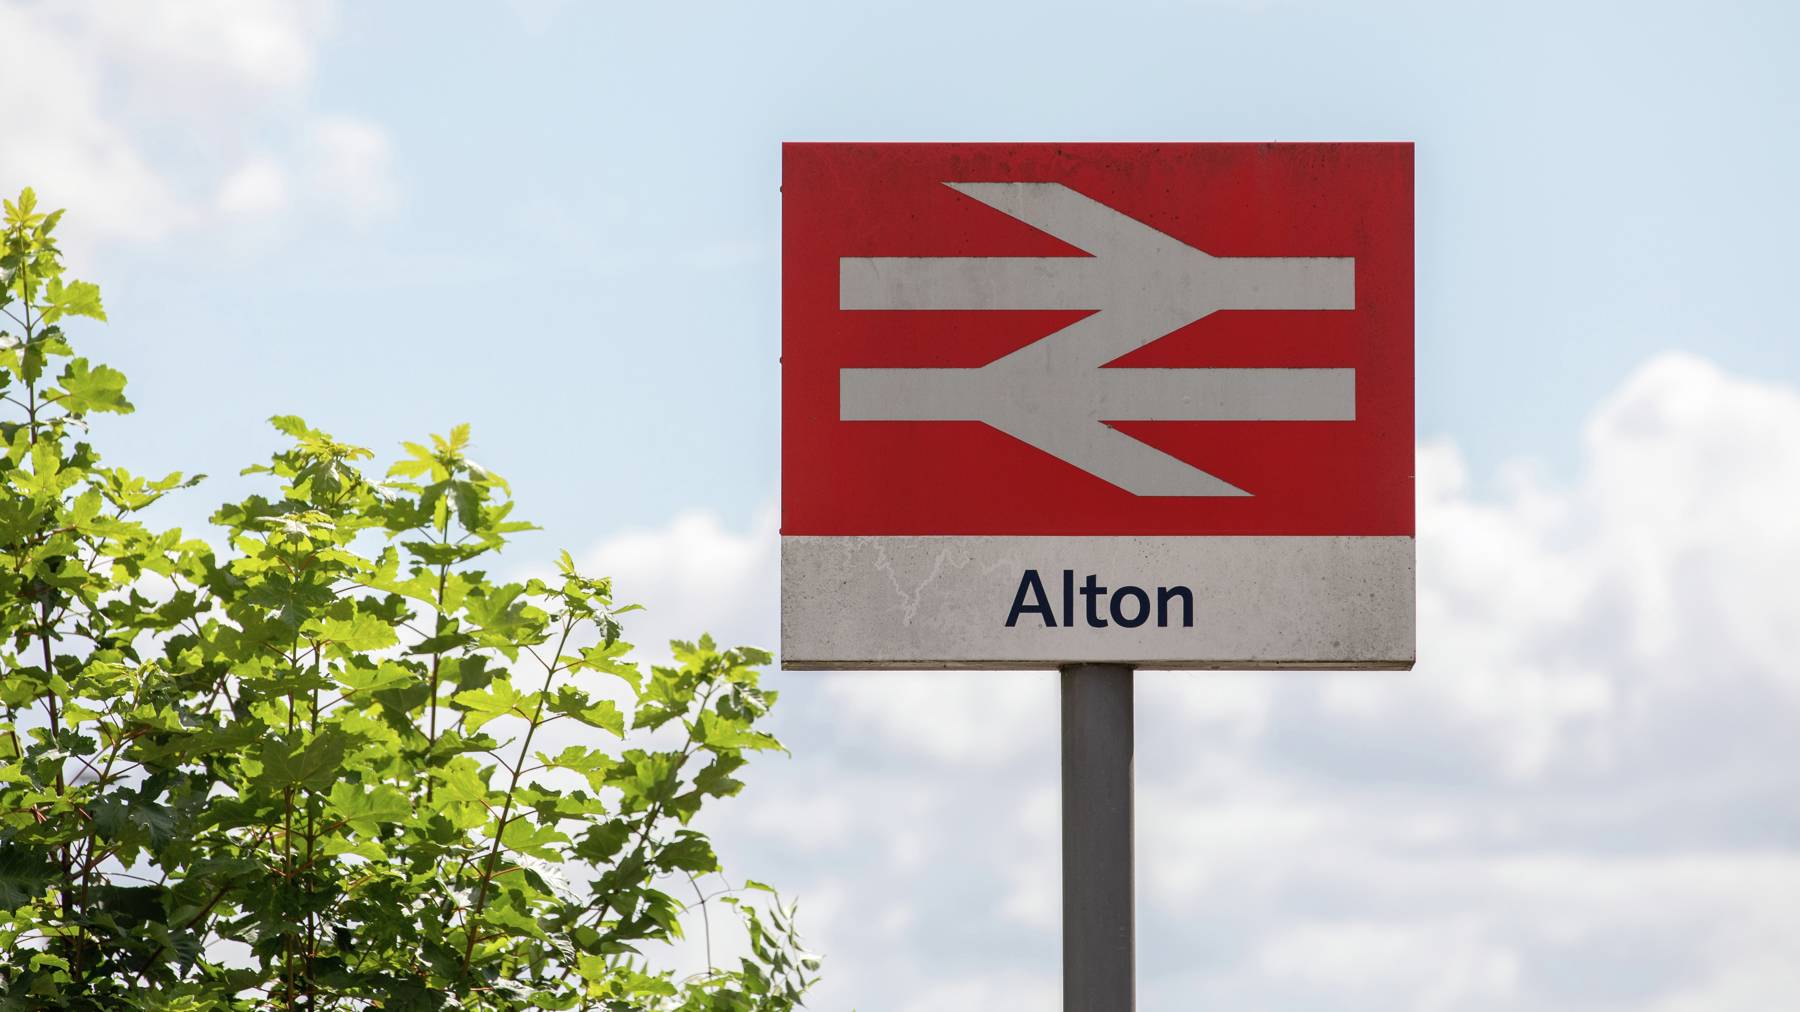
[1031, 582]
[1143, 606]
[1092, 590]
[1166, 594]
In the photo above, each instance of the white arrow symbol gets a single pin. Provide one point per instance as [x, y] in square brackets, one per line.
[1052, 393]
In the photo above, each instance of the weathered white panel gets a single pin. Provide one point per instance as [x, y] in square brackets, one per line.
[944, 602]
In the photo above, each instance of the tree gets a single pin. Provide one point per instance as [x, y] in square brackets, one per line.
[306, 769]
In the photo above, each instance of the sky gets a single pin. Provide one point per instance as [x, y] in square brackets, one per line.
[560, 223]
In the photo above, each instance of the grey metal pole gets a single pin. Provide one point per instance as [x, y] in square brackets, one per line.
[1099, 930]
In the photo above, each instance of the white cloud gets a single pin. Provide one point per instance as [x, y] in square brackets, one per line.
[56, 136]
[1582, 800]
[994, 991]
[258, 187]
[1428, 967]
[1561, 626]
[142, 114]
[352, 165]
[694, 576]
[267, 45]
[949, 717]
[1577, 800]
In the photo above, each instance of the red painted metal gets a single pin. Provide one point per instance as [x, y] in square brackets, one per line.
[1241, 200]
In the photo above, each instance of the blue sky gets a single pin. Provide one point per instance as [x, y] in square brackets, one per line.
[559, 221]
[584, 205]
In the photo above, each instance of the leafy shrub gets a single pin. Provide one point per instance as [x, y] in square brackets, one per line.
[307, 770]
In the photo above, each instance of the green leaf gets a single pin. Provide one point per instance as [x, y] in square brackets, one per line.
[291, 425]
[461, 781]
[367, 811]
[590, 763]
[719, 732]
[523, 836]
[498, 610]
[603, 714]
[483, 705]
[76, 298]
[360, 632]
[690, 852]
[25, 874]
[87, 507]
[369, 679]
[19, 214]
[314, 764]
[93, 388]
[716, 778]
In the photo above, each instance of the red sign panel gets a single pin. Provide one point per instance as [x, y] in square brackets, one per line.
[1097, 339]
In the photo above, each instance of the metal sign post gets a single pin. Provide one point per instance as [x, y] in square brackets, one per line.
[1099, 910]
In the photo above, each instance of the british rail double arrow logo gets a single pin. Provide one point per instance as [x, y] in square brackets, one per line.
[1141, 284]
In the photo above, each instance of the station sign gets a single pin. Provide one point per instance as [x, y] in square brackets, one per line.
[1147, 404]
